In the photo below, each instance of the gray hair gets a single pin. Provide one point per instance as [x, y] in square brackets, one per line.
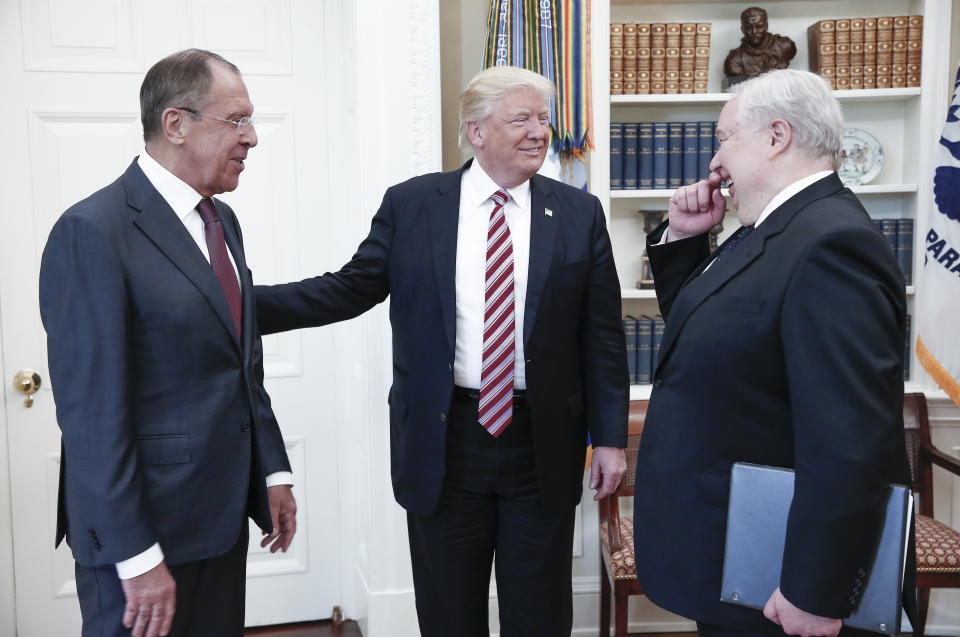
[489, 86]
[804, 100]
[181, 79]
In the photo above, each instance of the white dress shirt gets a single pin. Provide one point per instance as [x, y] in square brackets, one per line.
[183, 199]
[476, 186]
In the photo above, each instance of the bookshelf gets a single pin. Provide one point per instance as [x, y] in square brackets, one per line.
[906, 121]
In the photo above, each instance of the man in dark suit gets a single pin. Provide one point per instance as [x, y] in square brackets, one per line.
[169, 440]
[782, 348]
[507, 349]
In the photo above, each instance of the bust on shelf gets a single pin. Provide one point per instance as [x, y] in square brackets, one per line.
[759, 51]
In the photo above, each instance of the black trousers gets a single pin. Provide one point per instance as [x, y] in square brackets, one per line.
[490, 505]
[210, 596]
[714, 630]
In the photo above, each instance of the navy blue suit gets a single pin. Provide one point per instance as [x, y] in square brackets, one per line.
[468, 494]
[167, 431]
[787, 352]
[573, 336]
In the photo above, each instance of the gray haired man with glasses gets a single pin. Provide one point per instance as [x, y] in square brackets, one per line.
[144, 289]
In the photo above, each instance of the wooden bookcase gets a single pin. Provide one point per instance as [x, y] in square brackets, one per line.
[906, 121]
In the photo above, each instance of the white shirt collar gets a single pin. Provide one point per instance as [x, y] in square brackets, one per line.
[782, 196]
[176, 192]
[477, 186]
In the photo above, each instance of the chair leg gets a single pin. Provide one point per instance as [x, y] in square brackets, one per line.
[604, 601]
[923, 604]
[620, 606]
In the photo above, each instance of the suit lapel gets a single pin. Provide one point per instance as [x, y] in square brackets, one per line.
[701, 284]
[543, 234]
[158, 221]
[443, 212]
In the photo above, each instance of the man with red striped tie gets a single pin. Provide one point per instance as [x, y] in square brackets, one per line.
[508, 349]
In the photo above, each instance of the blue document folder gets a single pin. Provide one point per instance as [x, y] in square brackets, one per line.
[760, 498]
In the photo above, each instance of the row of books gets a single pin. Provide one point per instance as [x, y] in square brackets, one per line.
[660, 155]
[643, 336]
[858, 53]
[899, 232]
[661, 57]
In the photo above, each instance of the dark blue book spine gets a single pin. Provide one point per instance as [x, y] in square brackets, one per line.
[646, 155]
[630, 332]
[691, 151]
[616, 156]
[630, 148]
[644, 347]
[658, 327]
[889, 229]
[660, 142]
[705, 153]
[905, 248]
[906, 354]
[675, 156]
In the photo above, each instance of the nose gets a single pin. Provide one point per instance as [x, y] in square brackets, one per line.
[715, 163]
[249, 136]
[537, 130]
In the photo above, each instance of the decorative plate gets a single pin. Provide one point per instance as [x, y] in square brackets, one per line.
[861, 157]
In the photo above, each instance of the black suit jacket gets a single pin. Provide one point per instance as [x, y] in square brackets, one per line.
[573, 336]
[787, 352]
[167, 431]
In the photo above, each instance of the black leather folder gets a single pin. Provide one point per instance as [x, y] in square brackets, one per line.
[760, 499]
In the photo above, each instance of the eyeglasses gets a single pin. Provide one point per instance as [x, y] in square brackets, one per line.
[729, 135]
[241, 123]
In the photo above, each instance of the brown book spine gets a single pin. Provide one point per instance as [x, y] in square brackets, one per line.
[821, 45]
[914, 49]
[856, 53]
[688, 44]
[843, 66]
[616, 58]
[643, 59]
[843, 31]
[898, 65]
[884, 29]
[673, 35]
[701, 58]
[658, 35]
[629, 58]
[869, 53]
[672, 55]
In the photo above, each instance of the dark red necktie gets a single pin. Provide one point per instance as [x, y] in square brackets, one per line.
[217, 247]
[496, 374]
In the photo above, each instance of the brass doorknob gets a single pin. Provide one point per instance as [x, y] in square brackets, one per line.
[27, 382]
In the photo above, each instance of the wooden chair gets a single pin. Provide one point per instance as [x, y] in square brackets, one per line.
[618, 571]
[938, 545]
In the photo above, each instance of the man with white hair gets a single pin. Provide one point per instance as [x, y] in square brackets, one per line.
[508, 349]
[782, 348]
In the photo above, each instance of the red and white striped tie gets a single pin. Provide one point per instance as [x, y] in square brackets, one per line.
[496, 375]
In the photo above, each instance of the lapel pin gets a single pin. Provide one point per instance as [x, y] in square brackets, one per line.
[548, 212]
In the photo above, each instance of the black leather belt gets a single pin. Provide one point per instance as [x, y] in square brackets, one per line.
[464, 393]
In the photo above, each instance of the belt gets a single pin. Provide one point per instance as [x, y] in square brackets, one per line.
[464, 393]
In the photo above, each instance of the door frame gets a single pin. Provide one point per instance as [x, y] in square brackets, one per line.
[8, 592]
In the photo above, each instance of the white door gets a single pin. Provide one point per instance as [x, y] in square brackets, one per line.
[70, 122]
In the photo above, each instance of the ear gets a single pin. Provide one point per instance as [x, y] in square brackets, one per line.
[175, 124]
[781, 136]
[474, 134]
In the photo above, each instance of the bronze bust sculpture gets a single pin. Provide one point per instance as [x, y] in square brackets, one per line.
[759, 51]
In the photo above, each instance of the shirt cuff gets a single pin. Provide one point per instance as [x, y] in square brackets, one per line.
[140, 564]
[279, 477]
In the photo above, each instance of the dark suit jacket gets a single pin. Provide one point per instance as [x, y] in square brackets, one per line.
[787, 352]
[573, 336]
[167, 430]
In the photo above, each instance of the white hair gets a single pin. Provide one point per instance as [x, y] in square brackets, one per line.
[489, 86]
[802, 99]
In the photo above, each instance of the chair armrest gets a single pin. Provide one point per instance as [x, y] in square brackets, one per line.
[941, 459]
[613, 522]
